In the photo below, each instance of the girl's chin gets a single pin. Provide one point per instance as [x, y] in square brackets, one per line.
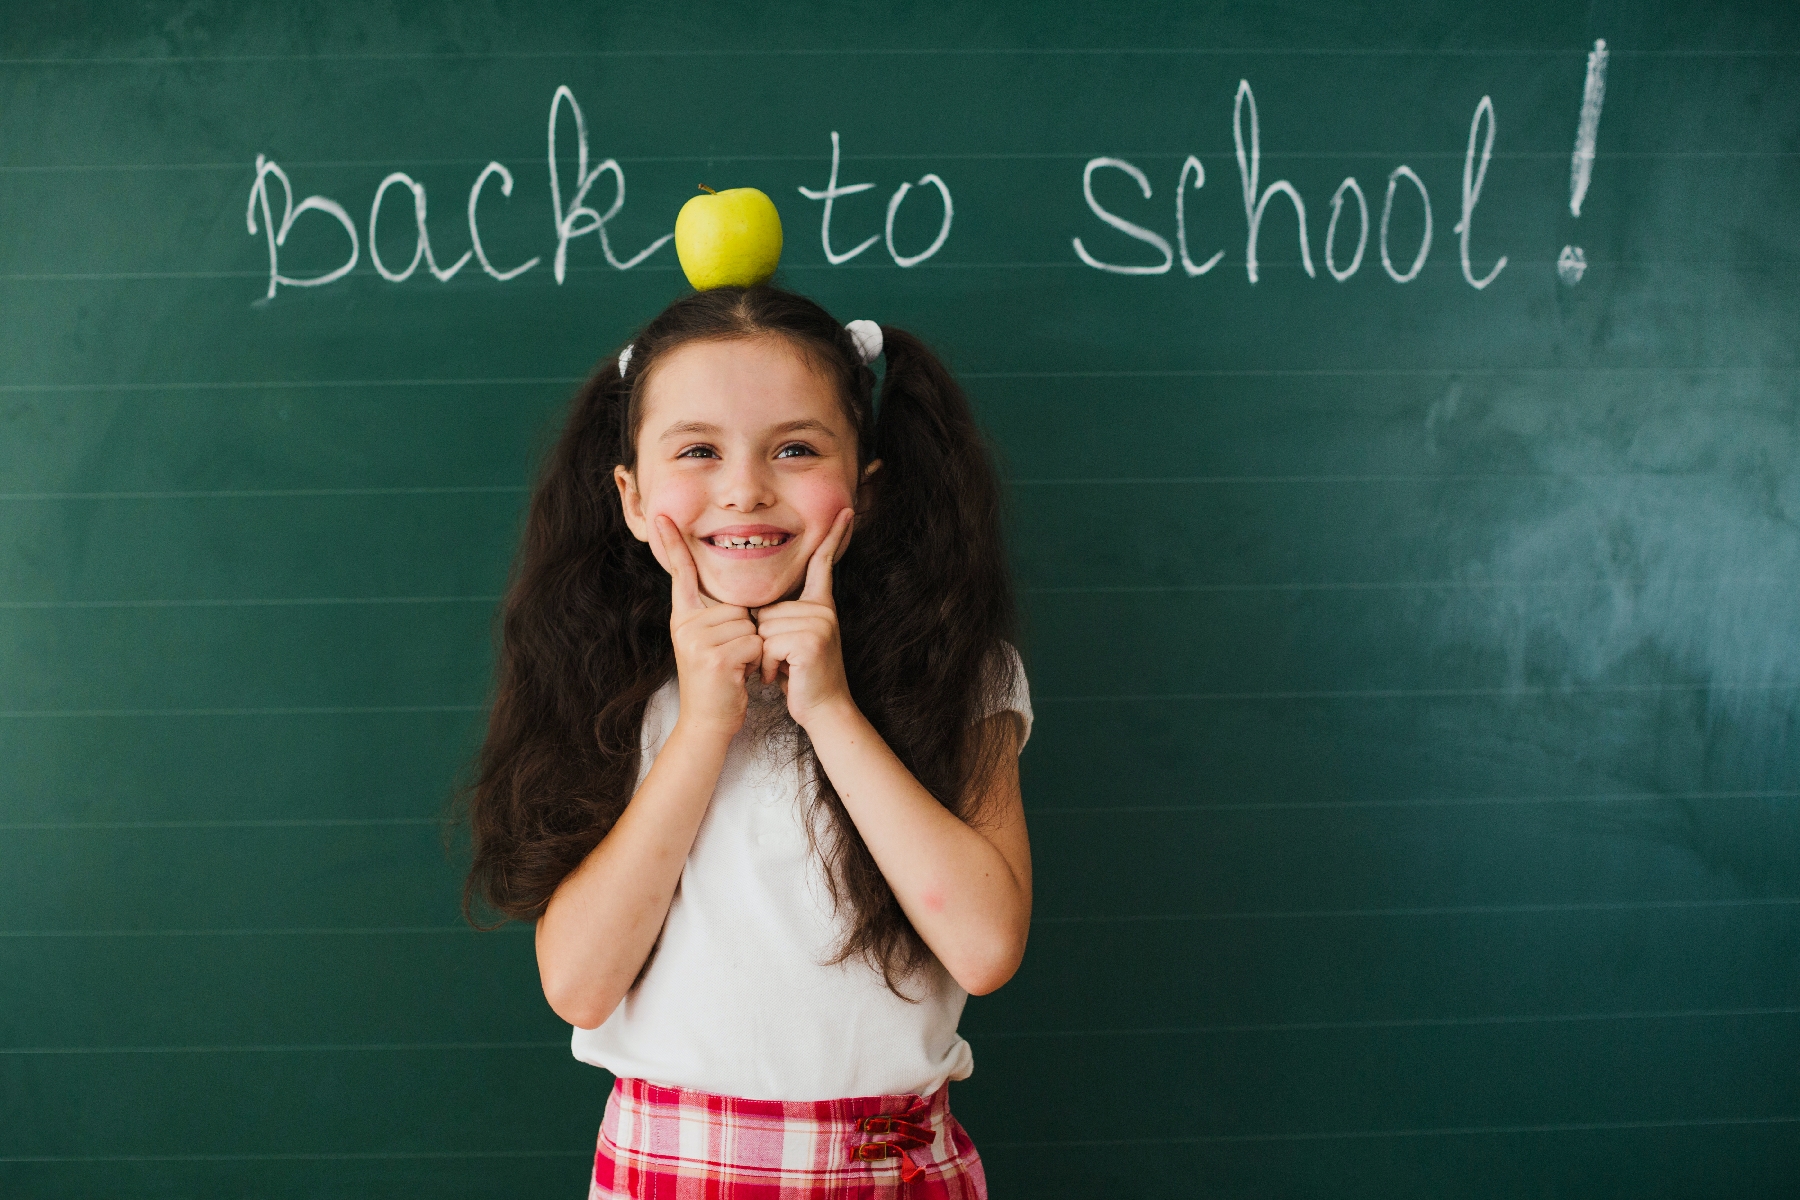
[749, 593]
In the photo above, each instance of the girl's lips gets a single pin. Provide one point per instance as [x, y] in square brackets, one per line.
[747, 541]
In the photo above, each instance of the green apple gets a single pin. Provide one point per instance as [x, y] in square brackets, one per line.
[728, 239]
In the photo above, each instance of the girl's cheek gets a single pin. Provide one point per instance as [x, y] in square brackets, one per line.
[819, 502]
[682, 502]
[674, 502]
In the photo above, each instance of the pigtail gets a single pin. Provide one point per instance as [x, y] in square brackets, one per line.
[583, 645]
[926, 614]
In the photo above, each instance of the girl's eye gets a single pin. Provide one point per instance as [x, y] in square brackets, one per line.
[698, 452]
[795, 450]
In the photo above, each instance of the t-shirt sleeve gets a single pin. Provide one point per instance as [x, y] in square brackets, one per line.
[1017, 699]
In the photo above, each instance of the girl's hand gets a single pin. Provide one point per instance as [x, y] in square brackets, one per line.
[715, 644]
[800, 637]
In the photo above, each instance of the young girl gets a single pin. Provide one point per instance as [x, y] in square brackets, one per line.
[752, 763]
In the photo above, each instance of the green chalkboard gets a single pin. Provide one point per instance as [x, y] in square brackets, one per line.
[1416, 790]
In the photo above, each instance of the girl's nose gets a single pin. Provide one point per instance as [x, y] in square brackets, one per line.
[745, 486]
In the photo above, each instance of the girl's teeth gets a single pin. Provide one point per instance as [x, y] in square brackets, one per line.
[754, 541]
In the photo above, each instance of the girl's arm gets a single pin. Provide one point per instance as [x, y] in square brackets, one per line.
[604, 919]
[967, 890]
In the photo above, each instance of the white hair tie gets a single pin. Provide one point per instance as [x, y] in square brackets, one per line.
[867, 336]
[625, 359]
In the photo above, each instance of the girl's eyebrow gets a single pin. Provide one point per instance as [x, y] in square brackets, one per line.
[810, 423]
[682, 428]
[686, 428]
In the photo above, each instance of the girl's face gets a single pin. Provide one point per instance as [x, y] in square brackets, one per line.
[747, 450]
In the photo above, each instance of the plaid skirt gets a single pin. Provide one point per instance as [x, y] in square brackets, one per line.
[664, 1143]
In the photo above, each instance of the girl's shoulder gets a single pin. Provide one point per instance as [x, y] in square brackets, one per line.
[659, 716]
[1005, 689]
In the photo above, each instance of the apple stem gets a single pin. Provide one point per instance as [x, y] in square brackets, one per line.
[708, 190]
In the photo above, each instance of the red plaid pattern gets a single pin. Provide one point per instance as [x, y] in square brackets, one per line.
[664, 1143]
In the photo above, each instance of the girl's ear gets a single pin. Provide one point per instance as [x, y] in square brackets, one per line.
[865, 488]
[631, 502]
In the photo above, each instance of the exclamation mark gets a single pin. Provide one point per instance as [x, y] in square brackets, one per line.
[1571, 264]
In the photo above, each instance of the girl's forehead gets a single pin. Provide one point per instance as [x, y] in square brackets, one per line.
[743, 386]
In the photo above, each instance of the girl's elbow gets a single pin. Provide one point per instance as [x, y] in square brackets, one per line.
[579, 1011]
[568, 1014]
[580, 1006]
[985, 972]
[985, 982]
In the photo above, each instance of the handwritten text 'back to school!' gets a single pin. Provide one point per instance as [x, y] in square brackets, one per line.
[578, 219]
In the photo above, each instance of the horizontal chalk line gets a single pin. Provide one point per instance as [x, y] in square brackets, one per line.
[1396, 477]
[296, 711]
[1448, 1131]
[1427, 585]
[1009, 1035]
[1205, 1139]
[1058, 810]
[297, 1048]
[372, 1156]
[1451, 910]
[1413, 585]
[1700, 1014]
[293, 602]
[1709, 265]
[278, 931]
[1405, 802]
[1138, 698]
[241, 823]
[1027, 481]
[949, 265]
[1185, 373]
[1438, 910]
[1597, 798]
[1070, 481]
[530, 154]
[292, 384]
[506, 489]
[1422, 693]
[1202, 1139]
[888, 52]
[1377, 372]
[1402, 585]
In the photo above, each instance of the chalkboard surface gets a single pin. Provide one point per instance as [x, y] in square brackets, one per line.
[1416, 794]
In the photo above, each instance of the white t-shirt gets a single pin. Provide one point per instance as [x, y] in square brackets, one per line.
[737, 998]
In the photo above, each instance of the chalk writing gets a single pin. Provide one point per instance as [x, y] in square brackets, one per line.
[833, 191]
[575, 220]
[943, 233]
[1387, 210]
[1471, 191]
[421, 245]
[1187, 264]
[1362, 234]
[1248, 172]
[578, 218]
[290, 212]
[829, 196]
[1120, 223]
[1246, 133]
[506, 187]
[1571, 264]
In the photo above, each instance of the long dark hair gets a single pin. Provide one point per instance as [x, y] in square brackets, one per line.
[924, 607]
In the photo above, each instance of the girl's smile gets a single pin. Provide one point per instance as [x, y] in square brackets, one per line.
[747, 541]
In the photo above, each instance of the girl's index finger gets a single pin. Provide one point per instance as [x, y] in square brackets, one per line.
[818, 570]
[684, 576]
